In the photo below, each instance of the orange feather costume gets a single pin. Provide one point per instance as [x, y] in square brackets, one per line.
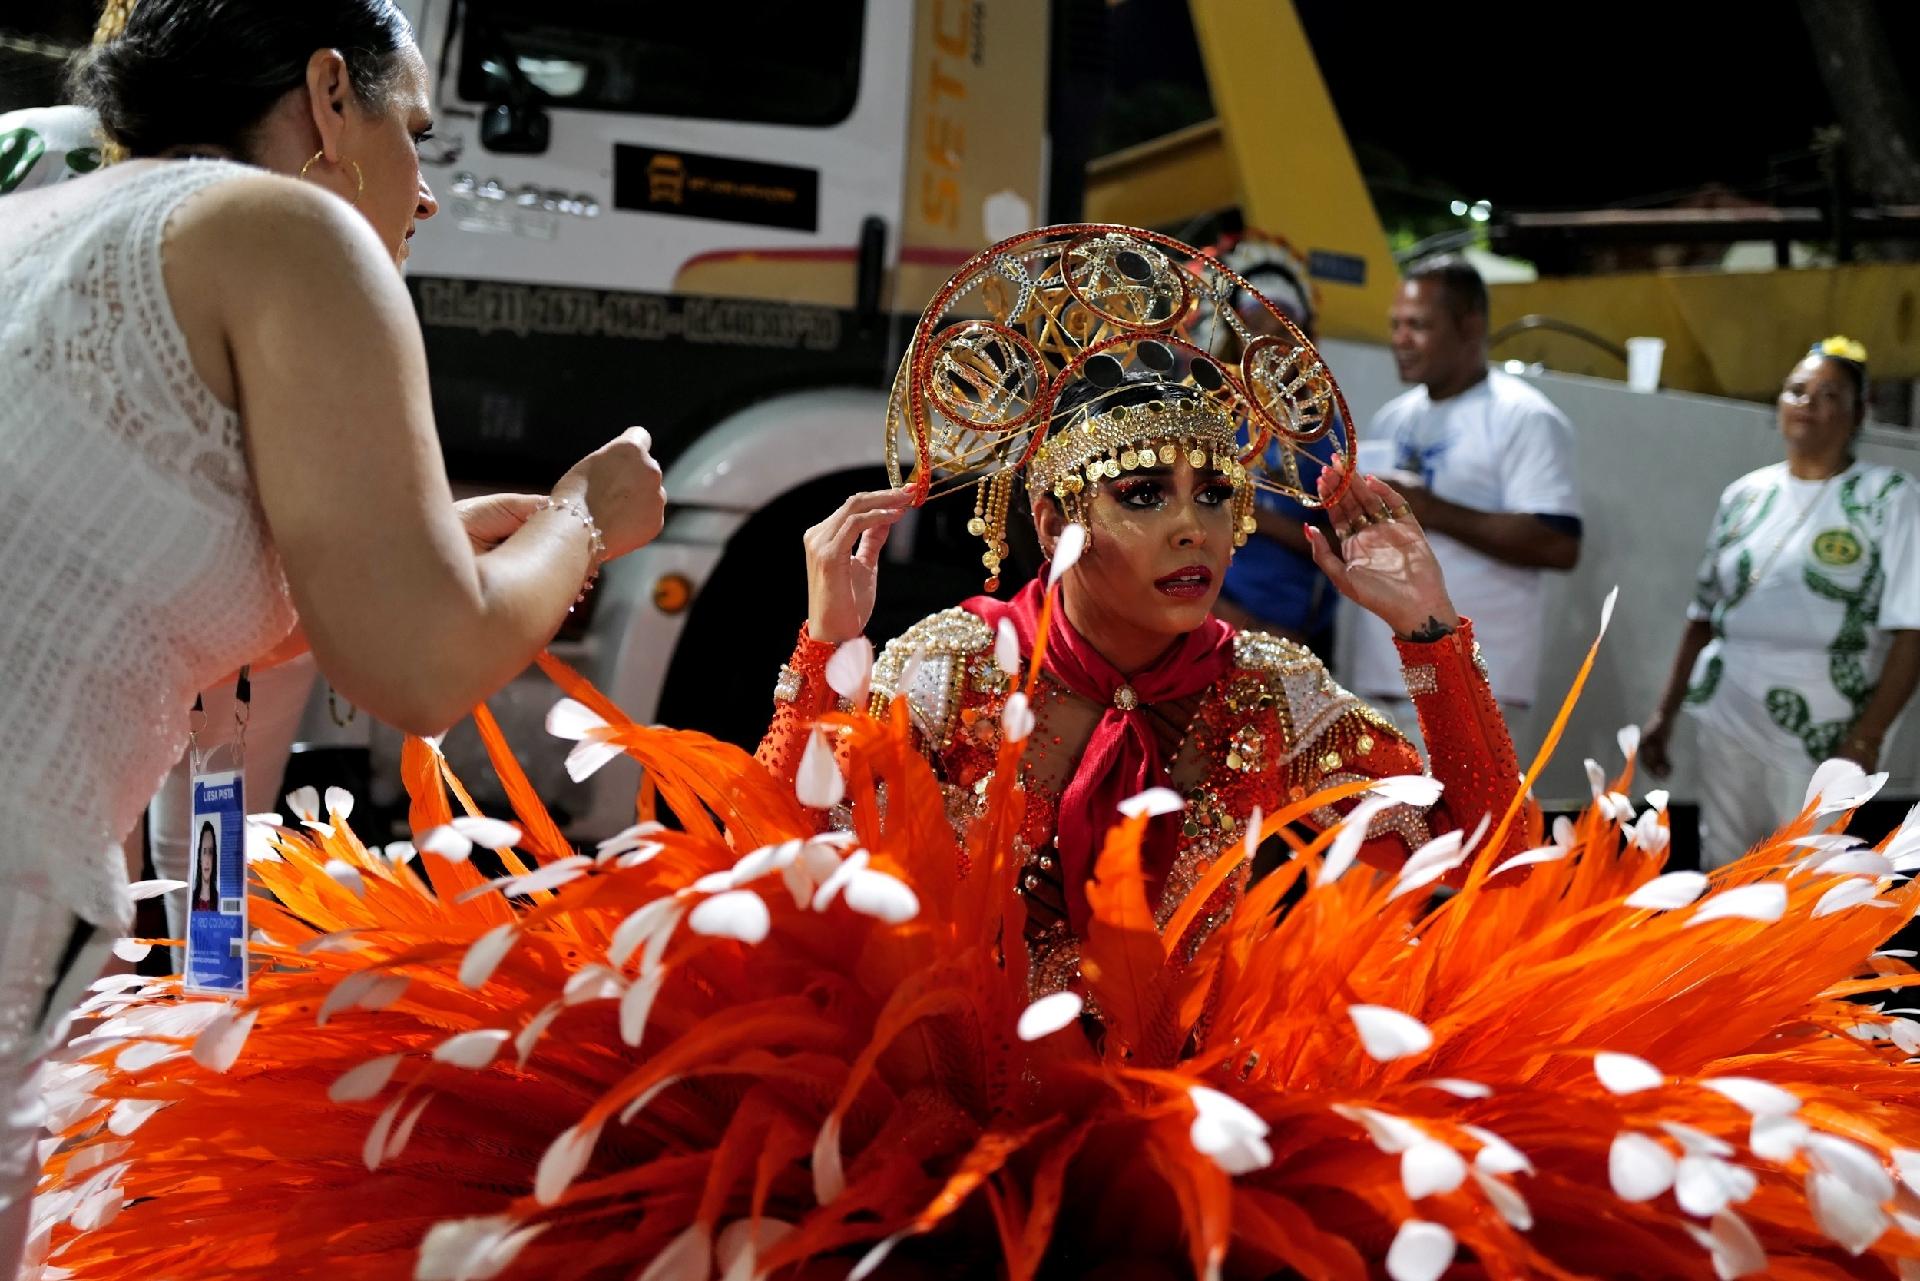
[739, 1049]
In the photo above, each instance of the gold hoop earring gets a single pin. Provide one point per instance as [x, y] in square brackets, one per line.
[359, 178]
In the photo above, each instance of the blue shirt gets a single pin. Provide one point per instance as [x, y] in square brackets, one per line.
[1272, 581]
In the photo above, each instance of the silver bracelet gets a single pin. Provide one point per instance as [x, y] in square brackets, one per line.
[578, 510]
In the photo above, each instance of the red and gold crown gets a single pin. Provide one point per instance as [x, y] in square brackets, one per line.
[974, 401]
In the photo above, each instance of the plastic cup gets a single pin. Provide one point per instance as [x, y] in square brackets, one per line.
[1643, 363]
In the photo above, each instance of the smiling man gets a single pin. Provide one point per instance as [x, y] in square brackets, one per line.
[1486, 464]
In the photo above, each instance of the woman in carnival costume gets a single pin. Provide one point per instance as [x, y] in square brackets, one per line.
[794, 1036]
[1083, 388]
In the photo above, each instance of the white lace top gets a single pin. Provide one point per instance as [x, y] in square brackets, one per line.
[135, 566]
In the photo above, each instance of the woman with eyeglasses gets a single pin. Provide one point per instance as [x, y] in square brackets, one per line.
[1803, 638]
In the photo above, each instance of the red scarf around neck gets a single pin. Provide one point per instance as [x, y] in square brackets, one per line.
[1122, 758]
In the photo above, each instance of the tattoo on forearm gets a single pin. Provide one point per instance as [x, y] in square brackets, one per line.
[1430, 631]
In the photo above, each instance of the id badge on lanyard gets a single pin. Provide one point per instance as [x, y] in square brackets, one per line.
[217, 876]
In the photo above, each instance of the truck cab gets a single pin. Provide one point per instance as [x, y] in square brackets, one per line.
[720, 223]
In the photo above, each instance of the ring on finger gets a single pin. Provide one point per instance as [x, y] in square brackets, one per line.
[1403, 510]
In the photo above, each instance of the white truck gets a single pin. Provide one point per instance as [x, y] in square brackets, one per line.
[719, 222]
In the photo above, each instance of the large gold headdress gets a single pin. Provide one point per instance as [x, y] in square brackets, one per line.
[1119, 309]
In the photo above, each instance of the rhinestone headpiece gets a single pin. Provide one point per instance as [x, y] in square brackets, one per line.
[1123, 309]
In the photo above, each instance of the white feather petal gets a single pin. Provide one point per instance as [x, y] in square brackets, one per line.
[304, 802]
[549, 876]
[129, 1115]
[374, 1150]
[1845, 1216]
[362, 1083]
[1639, 1167]
[768, 858]
[1855, 891]
[1048, 1015]
[688, 1257]
[641, 926]
[1628, 737]
[736, 914]
[1431, 1169]
[818, 783]
[131, 950]
[829, 1174]
[489, 832]
[870, 1261]
[404, 1131]
[1857, 1165]
[1352, 835]
[1016, 718]
[486, 952]
[850, 670]
[1006, 648]
[141, 1055]
[1625, 1074]
[1152, 803]
[527, 1037]
[1067, 551]
[1759, 1098]
[1417, 790]
[836, 881]
[473, 1049]
[573, 720]
[591, 755]
[1544, 854]
[1496, 1155]
[636, 1004]
[1669, 893]
[1460, 1089]
[1387, 1034]
[1777, 1138]
[1765, 901]
[1421, 1251]
[562, 1163]
[447, 842]
[879, 895]
[1705, 1185]
[1511, 1205]
[470, 1249]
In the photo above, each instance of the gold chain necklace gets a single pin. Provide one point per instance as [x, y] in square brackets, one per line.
[1773, 553]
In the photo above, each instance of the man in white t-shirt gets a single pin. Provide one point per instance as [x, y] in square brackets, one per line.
[1486, 463]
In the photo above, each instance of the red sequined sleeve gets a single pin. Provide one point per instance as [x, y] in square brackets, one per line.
[801, 696]
[1468, 747]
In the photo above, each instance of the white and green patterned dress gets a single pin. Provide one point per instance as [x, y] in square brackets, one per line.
[1803, 582]
[40, 146]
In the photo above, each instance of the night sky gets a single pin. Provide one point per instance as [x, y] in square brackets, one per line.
[1548, 106]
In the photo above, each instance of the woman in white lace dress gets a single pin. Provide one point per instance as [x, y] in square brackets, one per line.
[215, 419]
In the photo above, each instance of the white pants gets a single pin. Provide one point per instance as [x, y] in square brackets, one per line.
[279, 698]
[43, 975]
[1743, 799]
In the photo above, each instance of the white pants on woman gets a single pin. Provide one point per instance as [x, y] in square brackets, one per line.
[1743, 798]
[47, 959]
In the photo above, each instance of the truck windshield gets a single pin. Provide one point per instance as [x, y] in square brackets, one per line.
[766, 61]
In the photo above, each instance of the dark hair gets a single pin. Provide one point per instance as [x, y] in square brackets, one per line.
[206, 830]
[1458, 282]
[206, 72]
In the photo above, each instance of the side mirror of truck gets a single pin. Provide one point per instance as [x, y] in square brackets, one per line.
[521, 129]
